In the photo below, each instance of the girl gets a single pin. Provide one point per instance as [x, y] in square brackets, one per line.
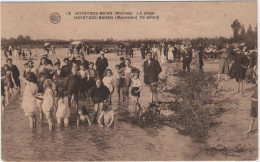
[63, 111]
[106, 113]
[109, 82]
[9, 82]
[91, 74]
[48, 102]
[127, 71]
[83, 76]
[29, 105]
[135, 89]
[98, 95]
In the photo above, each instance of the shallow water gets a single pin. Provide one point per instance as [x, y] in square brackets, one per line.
[126, 140]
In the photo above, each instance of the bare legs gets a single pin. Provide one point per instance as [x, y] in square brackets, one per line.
[251, 125]
[32, 121]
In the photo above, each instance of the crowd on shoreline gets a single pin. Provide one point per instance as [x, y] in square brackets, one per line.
[51, 87]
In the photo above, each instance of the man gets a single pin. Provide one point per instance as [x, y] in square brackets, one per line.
[101, 65]
[82, 61]
[143, 50]
[152, 69]
[16, 73]
[66, 69]
[201, 51]
[48, 61]
[186, 58]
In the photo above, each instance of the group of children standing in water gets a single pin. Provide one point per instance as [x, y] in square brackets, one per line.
[52, 89]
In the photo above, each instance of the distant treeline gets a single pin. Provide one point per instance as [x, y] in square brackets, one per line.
[248, 37]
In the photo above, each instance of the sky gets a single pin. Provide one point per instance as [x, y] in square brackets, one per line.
[176, 20]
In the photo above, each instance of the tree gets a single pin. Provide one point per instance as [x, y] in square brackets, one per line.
[250, 32]
[243, 34]
[236, 26]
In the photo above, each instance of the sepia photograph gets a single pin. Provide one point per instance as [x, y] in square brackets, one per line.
[129, 81]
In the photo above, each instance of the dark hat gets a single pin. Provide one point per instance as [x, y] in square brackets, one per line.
[8, 59]
[66, 59]
[56, 61]
[122, 59]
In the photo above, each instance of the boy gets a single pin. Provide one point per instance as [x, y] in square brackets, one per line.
[119, 81]
[73, 85]
[83, 115]
[106, 113]
[122, 63]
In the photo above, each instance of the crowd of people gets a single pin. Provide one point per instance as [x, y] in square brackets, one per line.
[51, 87]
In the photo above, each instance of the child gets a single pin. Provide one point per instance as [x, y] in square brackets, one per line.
[83, 115]
[109, 81]
[254, 107]
[83, 75]
[26, 69]
[106, 113]
[29, 105]
[135, 89]
[63, 111]
[119, 81]
[91, 74]
[122, 63]
[2, 96]
[9, 82]
[48, 102]
[72, 85]
[98, 95]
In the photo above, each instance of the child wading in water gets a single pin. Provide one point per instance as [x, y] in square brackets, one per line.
[83, 74]
[29, 105]
[98, 95]
[107, 114]
[73, 85]
[83, 116]
[108, 81]
[63, 111]
[135, 89]
[48, 102]
[9, 82]
[91, 74]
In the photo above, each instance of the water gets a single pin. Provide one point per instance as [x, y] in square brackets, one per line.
[126, 140]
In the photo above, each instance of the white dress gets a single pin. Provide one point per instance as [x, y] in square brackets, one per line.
[109, 82]
[63, 110]
[163, 58]
[48, 100]
[29, 104]
[170, 54]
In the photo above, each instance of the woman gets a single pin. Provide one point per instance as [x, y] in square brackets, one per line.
[238, 69]
[224, 64]
[98, 95]
[163, 53]
[170, 53]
